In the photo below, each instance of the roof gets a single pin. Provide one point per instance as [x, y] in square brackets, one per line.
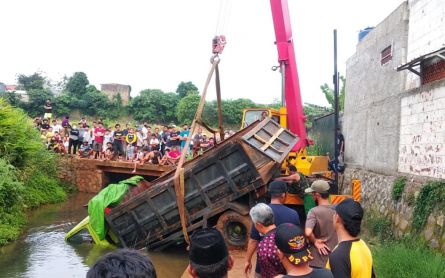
[417, 61]
[11, 87]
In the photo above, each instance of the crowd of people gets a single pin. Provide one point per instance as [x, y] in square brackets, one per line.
[139, 144]
[326, 246]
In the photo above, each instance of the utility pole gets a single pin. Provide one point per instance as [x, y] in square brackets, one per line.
[336, 150]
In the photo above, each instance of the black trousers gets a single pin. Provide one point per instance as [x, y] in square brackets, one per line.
[118, 147]
[74, 144]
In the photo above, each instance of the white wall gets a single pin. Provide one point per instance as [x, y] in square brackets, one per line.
[422, 133]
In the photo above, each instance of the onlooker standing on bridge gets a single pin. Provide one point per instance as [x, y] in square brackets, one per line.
[263, 220]
[352, 257]
[118, 137]
[282, 214]
[165, 139]
[131, 142]
[319, 226]
[56, 126]
[99, 133]
[208, 255]
[183, 135]
[74, 140]
[294, 253]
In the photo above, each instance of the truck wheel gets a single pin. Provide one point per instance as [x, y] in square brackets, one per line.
[235, 229]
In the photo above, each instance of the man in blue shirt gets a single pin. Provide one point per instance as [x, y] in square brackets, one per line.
[282, 214]
[183, 135]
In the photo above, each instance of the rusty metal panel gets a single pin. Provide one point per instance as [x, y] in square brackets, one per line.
[210, 183]
[271, 139]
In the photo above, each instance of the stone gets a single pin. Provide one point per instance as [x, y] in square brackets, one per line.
[428, 232]
[434, 243]
[403, 224]
[440, 220]
[396, 219]
[431, 220]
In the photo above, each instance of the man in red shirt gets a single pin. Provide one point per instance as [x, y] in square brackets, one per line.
[99, 133]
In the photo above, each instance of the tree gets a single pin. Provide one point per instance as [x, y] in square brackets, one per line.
[186, 88]
[62, 105]
[233, 110]
[312, 111]
[96, 103]
[186, 110]
[31, 82]
[154, 106]
[12, 98]
[77, 84]
[329, 94]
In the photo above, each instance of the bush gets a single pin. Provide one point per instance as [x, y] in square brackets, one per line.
[430, 196]
[378, 227]
[27, 171]
[403, 260]
[11, 190]
[398, 187]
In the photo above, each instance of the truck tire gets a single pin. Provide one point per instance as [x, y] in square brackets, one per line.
[235, 229]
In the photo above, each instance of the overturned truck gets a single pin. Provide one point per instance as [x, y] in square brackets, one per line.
[220, 186]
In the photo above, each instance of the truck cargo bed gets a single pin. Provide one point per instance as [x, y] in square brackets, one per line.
[214, 181]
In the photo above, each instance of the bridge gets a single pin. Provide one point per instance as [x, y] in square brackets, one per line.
[91, 175]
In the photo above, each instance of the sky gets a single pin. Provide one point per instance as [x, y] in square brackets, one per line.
[157, 44]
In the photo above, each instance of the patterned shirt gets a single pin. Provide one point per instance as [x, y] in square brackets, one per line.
[267, 258]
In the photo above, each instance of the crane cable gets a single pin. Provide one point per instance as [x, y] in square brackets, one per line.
[178, 178]
[224, 10]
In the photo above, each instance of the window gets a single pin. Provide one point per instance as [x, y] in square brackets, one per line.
[386, 55]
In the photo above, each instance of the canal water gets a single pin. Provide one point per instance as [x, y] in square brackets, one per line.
[42, 252]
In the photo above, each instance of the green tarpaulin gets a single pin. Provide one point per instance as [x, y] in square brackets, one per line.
[110, 195]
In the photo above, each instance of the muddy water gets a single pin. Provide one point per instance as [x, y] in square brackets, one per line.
[42, 252]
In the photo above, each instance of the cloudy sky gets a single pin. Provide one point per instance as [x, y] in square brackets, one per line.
[158, 44]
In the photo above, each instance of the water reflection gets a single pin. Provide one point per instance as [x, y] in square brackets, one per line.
[42, 252]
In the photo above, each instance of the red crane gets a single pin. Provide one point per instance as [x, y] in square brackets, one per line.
[291, 96]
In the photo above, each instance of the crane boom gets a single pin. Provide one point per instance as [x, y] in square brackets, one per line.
[286, 58]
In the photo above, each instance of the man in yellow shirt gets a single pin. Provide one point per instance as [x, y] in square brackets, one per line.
[352, 257]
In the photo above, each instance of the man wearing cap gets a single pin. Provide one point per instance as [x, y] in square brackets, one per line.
[263, 220]
[282, 214]
[294, 253]
[352, 257]
[319, 226]
[208, 255]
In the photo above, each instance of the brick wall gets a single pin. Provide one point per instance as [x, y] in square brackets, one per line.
[433, 72]
[422, 132]
[426, 32]
[81, 173]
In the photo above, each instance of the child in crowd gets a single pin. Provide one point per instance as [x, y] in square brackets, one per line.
[108, 151]
[108, 138]
[143, 157]
[85, 150]
[57, 143]
[171, 156]
[140, 139]
[154, 142]
[43, 136]
[131, 140]
[66, 141]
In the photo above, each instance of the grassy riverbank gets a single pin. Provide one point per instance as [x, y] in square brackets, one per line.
[406, 257]
[28, 176]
